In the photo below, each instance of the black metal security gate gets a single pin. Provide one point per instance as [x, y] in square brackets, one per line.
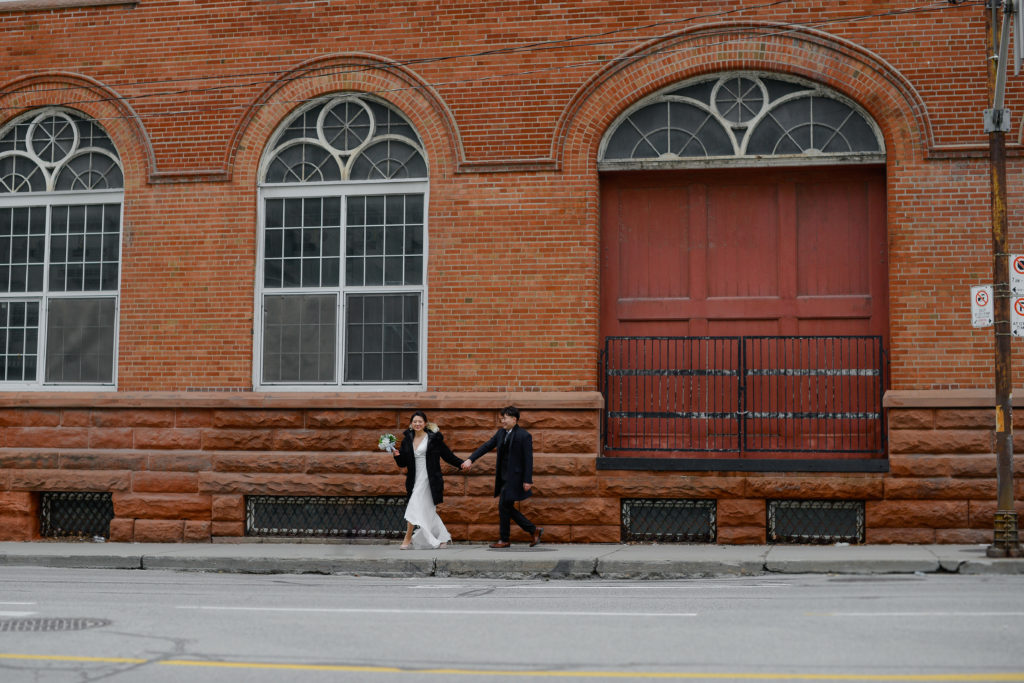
[744, 395]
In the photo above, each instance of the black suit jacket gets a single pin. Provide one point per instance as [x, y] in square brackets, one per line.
[436, 449]
[509, 485]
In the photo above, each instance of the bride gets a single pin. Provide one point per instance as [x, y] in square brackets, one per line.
[421, 451]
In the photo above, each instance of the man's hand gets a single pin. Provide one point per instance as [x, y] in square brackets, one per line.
[467, 463]
[527, 487]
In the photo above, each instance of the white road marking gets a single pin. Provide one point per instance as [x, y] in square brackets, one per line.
[919, 614]
[407, 611]
[16, 614]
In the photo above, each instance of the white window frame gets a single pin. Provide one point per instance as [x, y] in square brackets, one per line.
[49, 200]
[344, 190]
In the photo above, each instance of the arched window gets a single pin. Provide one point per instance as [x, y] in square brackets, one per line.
[740, 118]
[61, 193]
[342, 282]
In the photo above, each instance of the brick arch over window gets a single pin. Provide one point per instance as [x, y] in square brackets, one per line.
[397, 85]
[885, 95]
[95, 100]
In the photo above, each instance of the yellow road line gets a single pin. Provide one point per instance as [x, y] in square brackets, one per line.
[637, 675]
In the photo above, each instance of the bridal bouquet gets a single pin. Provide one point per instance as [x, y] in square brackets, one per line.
[386, 442]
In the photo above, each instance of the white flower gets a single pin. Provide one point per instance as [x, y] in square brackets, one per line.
[386, 442]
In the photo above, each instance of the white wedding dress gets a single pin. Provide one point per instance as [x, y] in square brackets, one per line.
[420, 510]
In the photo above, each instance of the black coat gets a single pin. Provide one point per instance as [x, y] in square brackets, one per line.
[509, 485]
[436, 449]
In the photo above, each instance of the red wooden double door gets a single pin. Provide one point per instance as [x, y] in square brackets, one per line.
[743, 253]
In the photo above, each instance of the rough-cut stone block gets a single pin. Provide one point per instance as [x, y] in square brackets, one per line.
[939, 489]
[18, 528]
[29, 459]
[670, 485]
[111, 437]
[237, 440]
[483, 532]
[735, 513]
[162, 506]
[197, 531]
[584, 534]
[896, 535]
[159, 531]
[227, 508]
[940, 441]
[315, 440]
[963, 536]
[377, 462]
[103, 460]
[580, 421]
[168, 439]
[920, 465]
[933, 514]
[132, 417]
[452, 420]
[17, 504]
[821, 487]
[69, 480]
[972, 466]
[257, 418]
[180, 462]
[227, 529]
[965, 419]
[565, 487]
[29, 417]
[261, 462]
[565, 441]
[47, 437]
[481, 486]
[470, 510]
[193, 418]
[122, 530]
[384, 420]
[75, 418]
[575, 511]
[911, 419]
[741, 535]
[165, 482]
[300, 484]
[560, 465]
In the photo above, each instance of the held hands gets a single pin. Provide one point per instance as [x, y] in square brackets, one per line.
[466, 464]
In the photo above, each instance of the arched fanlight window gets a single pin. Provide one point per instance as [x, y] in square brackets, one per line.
[61, 195]
[740, 118]
[342, 282]
[345, 138]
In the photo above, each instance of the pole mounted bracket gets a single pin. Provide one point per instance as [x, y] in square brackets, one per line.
[997, 120]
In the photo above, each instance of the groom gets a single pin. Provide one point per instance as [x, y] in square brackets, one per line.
[513, 477]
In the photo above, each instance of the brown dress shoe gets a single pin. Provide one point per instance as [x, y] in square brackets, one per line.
[500, 544]
[536, 536]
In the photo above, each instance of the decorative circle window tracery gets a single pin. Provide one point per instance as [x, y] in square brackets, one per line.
[727, 118]
[347, 137]
[57, 149]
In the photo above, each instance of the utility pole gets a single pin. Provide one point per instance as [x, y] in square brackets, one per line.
[997, 123]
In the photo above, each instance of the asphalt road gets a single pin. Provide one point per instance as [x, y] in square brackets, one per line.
[159, 626]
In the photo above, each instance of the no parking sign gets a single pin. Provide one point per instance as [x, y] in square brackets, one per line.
[1017, 274]
[1017, 317]
[982, 310]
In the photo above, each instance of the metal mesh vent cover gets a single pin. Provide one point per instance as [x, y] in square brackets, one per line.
[52, 624]
[75, 514]
[815, 521]
[668, 520]
[328, 516]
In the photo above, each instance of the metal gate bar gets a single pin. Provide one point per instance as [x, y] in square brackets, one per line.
[820, 394]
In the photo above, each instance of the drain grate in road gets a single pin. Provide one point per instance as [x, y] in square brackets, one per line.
[52, 624]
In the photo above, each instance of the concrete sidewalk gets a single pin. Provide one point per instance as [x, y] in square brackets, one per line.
[549, 561]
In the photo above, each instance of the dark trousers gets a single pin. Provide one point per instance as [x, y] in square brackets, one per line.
[507, 511]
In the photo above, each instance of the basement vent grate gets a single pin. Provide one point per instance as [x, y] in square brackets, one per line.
[75, 514]
[52, 624]
[668, 520]
[327, 516]
[815, 521]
